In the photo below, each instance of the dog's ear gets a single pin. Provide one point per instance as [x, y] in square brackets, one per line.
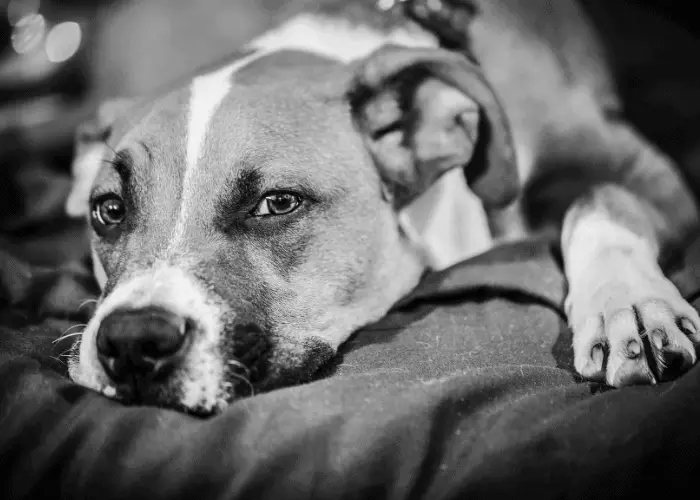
[90, 147]
[423, 112]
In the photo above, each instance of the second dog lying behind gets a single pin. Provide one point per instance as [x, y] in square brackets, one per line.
[245, 223]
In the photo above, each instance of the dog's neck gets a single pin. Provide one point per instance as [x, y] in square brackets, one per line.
[380, 15]
[343, 31]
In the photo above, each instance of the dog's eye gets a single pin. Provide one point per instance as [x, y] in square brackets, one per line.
[277, 204]
[108, 211]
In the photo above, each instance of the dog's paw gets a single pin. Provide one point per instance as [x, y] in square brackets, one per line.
[630, 324]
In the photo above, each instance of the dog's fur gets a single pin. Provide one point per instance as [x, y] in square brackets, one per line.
[362, 131]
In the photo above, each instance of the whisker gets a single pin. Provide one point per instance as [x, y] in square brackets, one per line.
[59, 360]
[67, 336]
[118, 154]
[110, 147]
[244, 379]
[86, 302]
[66, 353]
[238, 364]
[80, 325]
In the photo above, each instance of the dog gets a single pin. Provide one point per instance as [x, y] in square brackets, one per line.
[246, 221]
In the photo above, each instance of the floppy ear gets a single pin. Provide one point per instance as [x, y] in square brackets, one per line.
[423, 112]
[90, 148]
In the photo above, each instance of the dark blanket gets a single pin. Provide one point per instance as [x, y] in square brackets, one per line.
[465, 391]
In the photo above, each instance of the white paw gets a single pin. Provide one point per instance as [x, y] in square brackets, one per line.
[630, 324]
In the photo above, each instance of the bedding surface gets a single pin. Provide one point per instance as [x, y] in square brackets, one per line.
[465, 391]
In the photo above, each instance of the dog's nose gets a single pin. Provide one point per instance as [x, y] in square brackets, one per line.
[144, 342]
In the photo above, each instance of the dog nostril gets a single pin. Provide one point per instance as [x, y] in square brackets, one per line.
[105, 346]
[188, 326]
[156, 350]
[164, 345]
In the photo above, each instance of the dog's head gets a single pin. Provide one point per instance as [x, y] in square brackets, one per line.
[245, 225]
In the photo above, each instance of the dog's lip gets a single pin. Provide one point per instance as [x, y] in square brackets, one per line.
[162, 398]
[141, 387]
[139, 393]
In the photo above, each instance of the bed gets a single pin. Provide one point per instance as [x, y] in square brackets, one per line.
[465, 390]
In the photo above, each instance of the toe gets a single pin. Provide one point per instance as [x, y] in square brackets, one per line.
[672, 352]
[590, 348]
[689, 323]
[627, 363]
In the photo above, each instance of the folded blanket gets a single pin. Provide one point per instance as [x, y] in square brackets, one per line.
[464, 391]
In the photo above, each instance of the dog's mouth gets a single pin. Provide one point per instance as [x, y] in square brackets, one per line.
[189, 387]
[170, 396]
[173, 392]
[249, 360]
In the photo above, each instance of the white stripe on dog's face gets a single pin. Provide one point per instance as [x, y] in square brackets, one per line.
[206, 94]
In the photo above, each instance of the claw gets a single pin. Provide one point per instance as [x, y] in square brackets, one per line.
[659, 338]
[688, 327]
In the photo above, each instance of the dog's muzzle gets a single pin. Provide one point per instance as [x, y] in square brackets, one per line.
[141, 347]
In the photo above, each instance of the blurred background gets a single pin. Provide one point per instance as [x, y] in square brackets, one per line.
[59, 58]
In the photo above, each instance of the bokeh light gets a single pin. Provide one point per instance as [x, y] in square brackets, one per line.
[28, 33]
[63, 41]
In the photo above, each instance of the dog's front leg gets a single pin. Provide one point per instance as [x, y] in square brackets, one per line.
[630, 324]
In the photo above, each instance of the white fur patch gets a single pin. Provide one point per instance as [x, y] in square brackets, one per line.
[202, 375]
[336, 38]
[593, 233]
[447, 222]
[206, 93]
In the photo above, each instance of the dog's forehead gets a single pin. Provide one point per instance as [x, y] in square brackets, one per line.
[281, 108]
[281, 125]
